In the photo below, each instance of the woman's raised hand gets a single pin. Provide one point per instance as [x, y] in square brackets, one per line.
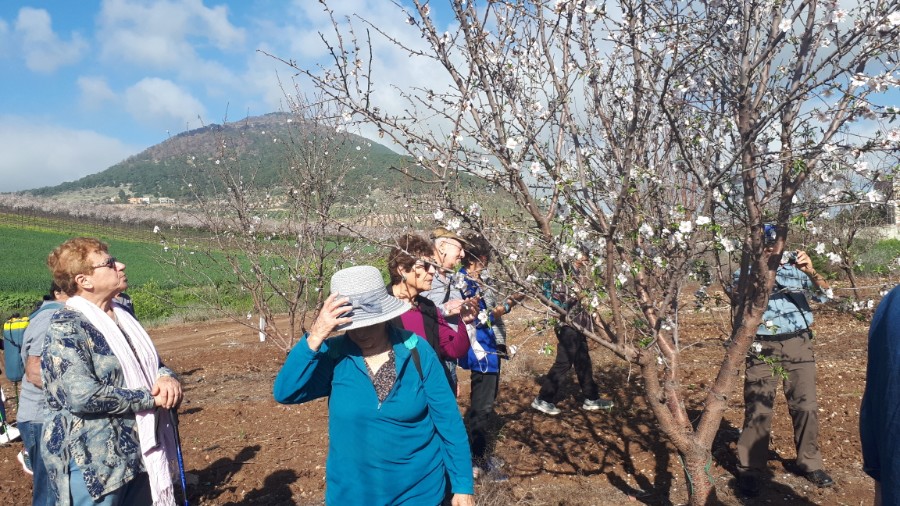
[328, 319]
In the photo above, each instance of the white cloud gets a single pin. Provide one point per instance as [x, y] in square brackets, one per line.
[163, 34]
[95, 92]
[36, 154]
[43, 50]
[297, 38]
[161, 102]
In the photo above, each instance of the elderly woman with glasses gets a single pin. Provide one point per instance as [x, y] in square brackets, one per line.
[411, 267]
[395, 435]
[109, 436]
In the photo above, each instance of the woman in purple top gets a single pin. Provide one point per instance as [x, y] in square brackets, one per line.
[411, 267]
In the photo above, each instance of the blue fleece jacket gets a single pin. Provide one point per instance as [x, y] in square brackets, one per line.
[399, 451]
[484, 333]
[879, 415]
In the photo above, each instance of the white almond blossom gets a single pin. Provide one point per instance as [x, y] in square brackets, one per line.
[646, 230]
[439, 215]
[894, 18]
[859, 80]
[685, 227]
[454, 224]
[820, 248]
[703, 220]
[785, 25]
[727, 244]
[512, 143]
[833, 257]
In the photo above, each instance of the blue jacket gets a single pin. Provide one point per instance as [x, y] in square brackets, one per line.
[400, 451]
[879, 414]
[484, 335]
[788, 310]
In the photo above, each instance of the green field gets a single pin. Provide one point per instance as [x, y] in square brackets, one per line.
[204, 286]
[159, 290]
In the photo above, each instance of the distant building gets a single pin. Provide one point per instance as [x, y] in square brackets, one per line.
[138, 200]
[166, 200]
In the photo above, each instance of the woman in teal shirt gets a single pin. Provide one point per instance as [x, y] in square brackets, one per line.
[395, 432]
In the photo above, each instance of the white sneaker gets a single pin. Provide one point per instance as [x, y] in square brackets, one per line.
[545, 407]
[23, 459]
[9, 435]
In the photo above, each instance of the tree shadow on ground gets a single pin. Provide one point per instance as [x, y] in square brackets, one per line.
[275, 491]
[624, 444]
[215, 480]
[725, 454]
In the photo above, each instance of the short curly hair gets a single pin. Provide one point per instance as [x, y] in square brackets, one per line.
[409, 248]
[478, 249]
[70, 259]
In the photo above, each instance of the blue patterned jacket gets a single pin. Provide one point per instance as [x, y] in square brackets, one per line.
[91, 413]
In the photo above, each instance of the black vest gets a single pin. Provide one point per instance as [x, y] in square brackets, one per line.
[429, 314]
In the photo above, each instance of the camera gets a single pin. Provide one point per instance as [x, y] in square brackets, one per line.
[790, 257]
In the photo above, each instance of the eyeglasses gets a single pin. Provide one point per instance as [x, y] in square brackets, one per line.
[110, 262]
[427, 264]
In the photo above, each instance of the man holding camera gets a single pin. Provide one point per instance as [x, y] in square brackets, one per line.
[783, 352]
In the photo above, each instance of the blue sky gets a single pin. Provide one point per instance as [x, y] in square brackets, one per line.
[88, 83]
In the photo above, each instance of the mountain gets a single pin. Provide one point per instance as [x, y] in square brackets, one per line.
[260, 148]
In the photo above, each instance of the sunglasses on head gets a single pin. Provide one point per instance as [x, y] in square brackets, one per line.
[110, 262]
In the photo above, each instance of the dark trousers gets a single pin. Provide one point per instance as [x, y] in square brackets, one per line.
[795, 355]
[480, 413]
[571, 352]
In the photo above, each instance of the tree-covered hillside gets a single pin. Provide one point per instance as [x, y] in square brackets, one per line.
[257, 147]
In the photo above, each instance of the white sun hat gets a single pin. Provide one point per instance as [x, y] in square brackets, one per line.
[371, 302]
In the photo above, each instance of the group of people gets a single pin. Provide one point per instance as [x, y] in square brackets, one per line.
[394, 395]
[96, 417]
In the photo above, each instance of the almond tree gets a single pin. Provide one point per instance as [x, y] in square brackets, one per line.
[276, 243]
[654, 137]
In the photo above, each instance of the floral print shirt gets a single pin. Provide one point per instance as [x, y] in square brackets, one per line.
[91, 412]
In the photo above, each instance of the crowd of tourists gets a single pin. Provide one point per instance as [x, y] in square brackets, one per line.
[97, 410]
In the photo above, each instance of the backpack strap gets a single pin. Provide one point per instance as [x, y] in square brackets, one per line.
[410, 344]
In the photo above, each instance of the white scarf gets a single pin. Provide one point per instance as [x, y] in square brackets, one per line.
[139, 368]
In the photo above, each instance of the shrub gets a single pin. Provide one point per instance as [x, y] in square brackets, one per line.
[877, 257]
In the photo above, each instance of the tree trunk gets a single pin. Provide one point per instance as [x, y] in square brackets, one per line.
[852, 277]
[698, 472]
